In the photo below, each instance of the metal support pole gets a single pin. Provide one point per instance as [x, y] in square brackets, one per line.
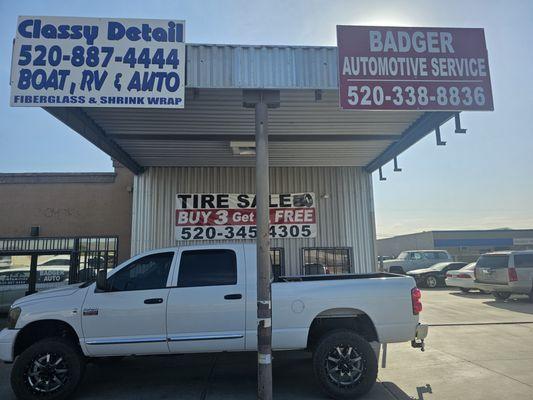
[264, 304]
[32, 281]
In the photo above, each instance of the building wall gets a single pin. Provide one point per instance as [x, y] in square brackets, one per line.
[345, 218]
[393, 246]
[463, 245]
[70, 204]
[468, 245]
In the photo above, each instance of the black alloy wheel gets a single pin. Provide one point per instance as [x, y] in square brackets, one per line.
[431, 281]
[49, 369]
[345, 364]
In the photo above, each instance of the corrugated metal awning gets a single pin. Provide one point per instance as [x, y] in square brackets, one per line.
[308, 129]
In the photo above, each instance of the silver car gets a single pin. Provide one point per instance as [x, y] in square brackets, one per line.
[505, 272]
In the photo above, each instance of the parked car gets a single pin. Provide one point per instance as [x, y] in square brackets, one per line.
[435, 275]
[506, 272]
[203, 298]
[5, 261]
[14, 282]
[415, 259]
[61, 260]
[314, 269]
[463, 278]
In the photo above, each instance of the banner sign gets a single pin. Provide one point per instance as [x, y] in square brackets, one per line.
[523, 241]
[97, 62]
[430, 69]
[232, 216]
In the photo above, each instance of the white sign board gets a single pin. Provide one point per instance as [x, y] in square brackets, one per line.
[523, 241]
[231, 216]
[98, 62]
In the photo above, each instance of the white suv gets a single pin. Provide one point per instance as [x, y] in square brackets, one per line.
[505, 272]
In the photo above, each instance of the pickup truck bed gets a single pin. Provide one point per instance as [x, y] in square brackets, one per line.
[302, 278]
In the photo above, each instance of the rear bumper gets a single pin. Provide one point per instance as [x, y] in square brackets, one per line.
[7, 344]
[493, 287]
[421, 331]
[460, 282]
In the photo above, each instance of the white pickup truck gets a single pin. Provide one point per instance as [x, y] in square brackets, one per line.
[202, 298]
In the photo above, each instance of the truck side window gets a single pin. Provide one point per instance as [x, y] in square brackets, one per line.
[150, 272]
[207, 268]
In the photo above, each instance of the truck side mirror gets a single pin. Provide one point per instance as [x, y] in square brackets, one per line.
[101, 280]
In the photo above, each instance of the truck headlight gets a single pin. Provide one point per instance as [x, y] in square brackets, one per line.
[12, 318]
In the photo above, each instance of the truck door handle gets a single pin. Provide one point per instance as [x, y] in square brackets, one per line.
[158, 300]
[233, 296]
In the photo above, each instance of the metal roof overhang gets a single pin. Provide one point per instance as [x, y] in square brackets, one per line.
[308, 129]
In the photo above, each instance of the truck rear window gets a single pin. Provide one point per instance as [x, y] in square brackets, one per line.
[495, 261]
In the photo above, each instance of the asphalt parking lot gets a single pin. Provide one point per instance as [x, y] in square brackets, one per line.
[478, 349]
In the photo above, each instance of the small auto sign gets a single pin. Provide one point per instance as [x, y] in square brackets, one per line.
[98, 62]
[396, 68]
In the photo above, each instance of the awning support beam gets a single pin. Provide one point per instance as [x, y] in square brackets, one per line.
[419, 129]
[440, 142]
[458, 128]
[396, 168]
[261, 100]
[79, 121]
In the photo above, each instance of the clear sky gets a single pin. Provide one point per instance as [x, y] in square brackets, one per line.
[480, 180]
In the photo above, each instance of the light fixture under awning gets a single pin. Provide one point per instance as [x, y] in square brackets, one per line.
[242, 148]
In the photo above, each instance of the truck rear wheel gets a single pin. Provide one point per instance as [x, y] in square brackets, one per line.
[345, 364]
[48, 369]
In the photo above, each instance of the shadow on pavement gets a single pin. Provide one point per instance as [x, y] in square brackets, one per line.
[472, 295]
[518, 304]
[210, 376]
[399, 394]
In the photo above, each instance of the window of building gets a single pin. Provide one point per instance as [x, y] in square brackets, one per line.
[207, 268]
[150, 272]
[326, 260]
[277, 259]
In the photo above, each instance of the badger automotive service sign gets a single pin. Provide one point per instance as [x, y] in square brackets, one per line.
[393, 68]
[204, 216]
[98, 62]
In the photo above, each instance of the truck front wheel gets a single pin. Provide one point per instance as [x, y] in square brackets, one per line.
[345, 364]
[48, 369]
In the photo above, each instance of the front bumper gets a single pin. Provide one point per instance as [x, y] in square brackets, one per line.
[7, 344]
[495, 287]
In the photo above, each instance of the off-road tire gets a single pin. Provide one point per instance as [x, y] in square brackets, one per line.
[501, 295]
[73, 360]
[368, 364]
